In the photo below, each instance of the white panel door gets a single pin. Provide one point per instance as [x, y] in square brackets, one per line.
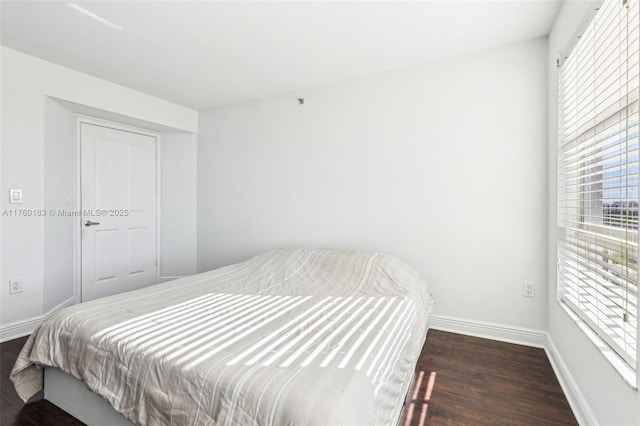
[119, 210]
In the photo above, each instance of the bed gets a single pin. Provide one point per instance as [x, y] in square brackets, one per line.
[290, 336]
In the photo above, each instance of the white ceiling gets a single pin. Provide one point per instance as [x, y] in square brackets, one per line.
[204, 54]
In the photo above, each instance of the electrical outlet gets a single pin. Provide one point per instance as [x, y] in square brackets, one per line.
[528, 289]
[15, 285]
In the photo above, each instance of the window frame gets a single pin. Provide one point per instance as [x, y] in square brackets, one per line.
[581, 226]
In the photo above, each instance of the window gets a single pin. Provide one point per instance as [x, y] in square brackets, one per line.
[598, 177]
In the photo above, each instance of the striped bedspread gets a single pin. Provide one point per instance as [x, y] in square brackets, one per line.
[291, 336]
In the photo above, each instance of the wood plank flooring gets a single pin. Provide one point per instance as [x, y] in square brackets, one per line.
[460, 380]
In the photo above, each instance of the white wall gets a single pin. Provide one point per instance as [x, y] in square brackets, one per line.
[443, 165]
[607, 398]
[179, 201]
[29, 155]
[59, 182]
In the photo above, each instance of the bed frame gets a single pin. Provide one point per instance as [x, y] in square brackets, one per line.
[73, 396]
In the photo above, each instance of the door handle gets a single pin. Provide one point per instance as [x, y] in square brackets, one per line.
[89, 223]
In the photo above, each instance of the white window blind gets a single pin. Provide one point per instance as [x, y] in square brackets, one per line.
[598, 177]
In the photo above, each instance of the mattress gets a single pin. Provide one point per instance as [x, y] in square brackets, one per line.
[291, 336]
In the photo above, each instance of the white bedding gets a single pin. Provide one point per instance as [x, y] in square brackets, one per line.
[291, 336]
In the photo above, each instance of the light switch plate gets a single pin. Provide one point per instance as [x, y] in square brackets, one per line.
[15, 196]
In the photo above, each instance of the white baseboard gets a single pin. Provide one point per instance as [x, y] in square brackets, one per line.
[576, 400]
[170, 278]
[486, 330]
[26, 327]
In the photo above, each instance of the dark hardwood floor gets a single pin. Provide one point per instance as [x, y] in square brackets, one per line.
[460, 380]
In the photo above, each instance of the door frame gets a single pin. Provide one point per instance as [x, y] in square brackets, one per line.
[82, 119]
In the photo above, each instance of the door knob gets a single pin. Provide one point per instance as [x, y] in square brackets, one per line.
[89, 223]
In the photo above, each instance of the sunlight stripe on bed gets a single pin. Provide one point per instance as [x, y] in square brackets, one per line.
[318, 335]
[233, 336]
[280, 331]
[392, 336]
[198, 342]
[364, 335]
[298, 322]
[292, 342]
[379, 336]
[134, 322]
[162, 323]
[334, 333]
[198, 326]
